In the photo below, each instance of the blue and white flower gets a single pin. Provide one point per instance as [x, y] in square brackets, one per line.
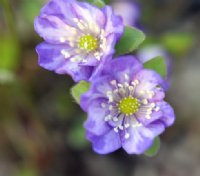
[78, 37]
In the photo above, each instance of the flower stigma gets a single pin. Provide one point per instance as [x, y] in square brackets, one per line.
[88, 43]
[129, 105]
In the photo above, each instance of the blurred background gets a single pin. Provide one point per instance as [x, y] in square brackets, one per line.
[41, 132]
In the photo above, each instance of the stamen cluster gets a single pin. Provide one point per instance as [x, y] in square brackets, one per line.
[126, 104]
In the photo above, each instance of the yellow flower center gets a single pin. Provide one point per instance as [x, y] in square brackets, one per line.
[128, 105]
[88, 43]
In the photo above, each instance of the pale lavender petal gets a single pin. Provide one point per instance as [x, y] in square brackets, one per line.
[53, 29]
[91, 15]
[95, 122]
[77, 72]
[120, 66]
[55, 22]
[156, 115]
[97, 91]
[147, 75]
[141, 138]
[113, 23]
[106, 143]
[164, 114]
[148, 79]
[62, 9]
[168, 116]
[52, 58]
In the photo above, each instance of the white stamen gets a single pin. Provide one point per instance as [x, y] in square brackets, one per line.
[157, 109]
[65, 53]
[103, 47]
[116, 130]
[126, 76]
[142, 92]
[62, 40]
[126, 84]
[151, 94]
[153, 105]
[76, 20]
[96, 29]
[108, 93]
[120, 127]
[127, 135]
[81, 26]
[131, 88]
[75, 59]
[115, 119]
[71, 39]
[148, 116]
[71, 44]
[113, 82]
[73, 30]
[122, 91]
[120, 85]
[110, 107]
[97, 55]
[149, 112]
[133, 83]
[137, 124]
[103, 32]
[116, 91]
[144, 101]
[126, 125]
[98, 58]
[136, 82]
[107, 118]
[110, 99]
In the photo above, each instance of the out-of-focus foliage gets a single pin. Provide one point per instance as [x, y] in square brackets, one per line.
[9, 50]
[153, 150]
[79, 89]
[98, 3]
[178, 43]
[158, 64]
[133, 36]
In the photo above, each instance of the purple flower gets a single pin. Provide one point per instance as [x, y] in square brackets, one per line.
[128, 9]
[78, 37]
[125, 107]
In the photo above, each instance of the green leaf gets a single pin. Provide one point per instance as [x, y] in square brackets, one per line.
[158, 64]
[153, 150]
[79, 89]
[130, 40]
[98, 3]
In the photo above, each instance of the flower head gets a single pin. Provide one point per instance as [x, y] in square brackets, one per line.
[78, 37]
[125, 107]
